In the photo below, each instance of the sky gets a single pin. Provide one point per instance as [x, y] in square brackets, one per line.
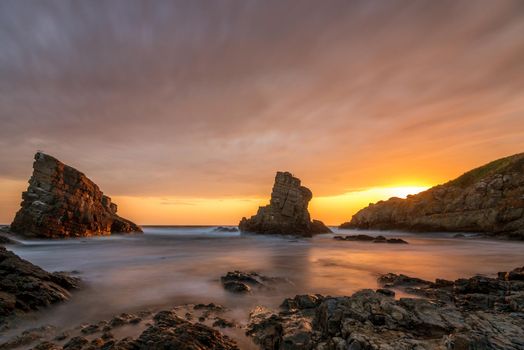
[182, 111]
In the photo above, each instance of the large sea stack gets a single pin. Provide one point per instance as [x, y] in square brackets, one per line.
[489, 199]
[62, 202]
[287, 211]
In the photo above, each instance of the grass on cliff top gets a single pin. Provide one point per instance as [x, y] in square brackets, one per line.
[502, 165]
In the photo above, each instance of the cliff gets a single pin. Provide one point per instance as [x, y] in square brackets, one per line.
[488, 199]
[62, 202]
[287, 211]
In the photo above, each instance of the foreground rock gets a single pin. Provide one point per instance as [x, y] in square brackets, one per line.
[287, 211]
[366, 238]
[62, 202]
[25, 287]
[476, 313]
[488, 199]
[163, 330]
[244, 282]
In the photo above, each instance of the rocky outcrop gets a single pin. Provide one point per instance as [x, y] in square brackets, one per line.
[62, 202]
[475, 313]
[287, 211]
[25, 287]
[489, 199]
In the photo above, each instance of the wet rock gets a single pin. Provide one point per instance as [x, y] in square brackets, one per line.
[47, 346]
[211, 307]
[62, 202]
[225, 229]
[223, 323]
[27, 337]
[236, 287]
[76, 343]
[244, 282]
[375, 320]
[25, 287]
[6, 240]
[172, 332]
[487, 200]
[391, 280]
[367, 238]
[287, 211]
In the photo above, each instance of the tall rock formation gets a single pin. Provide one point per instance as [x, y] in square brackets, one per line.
[489, 199]
[62, 202]
[287, 211]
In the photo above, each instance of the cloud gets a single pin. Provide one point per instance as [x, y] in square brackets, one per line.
[211, 98]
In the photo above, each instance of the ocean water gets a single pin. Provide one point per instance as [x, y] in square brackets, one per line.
[169, 266]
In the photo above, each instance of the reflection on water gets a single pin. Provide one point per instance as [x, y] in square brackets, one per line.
[168, 266]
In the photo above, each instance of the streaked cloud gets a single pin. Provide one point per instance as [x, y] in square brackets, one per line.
[199, 99]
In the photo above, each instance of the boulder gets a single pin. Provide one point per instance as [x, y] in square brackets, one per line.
[287, 211]
[62, 202]
[245, 282]
[25, 287]
[489, 200]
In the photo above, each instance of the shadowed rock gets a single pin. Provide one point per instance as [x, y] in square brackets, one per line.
[287, 211]
[488, 199]
[62, 202]
[25, 287]
[474, 313]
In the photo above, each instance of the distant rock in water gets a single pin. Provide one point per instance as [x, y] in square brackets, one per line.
[489, 199]
[225, 229]
[25, 287]
[62, 202]
[287, 211]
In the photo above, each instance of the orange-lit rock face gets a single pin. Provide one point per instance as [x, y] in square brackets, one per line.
[287, 210]
[62, 202]
[487, 199]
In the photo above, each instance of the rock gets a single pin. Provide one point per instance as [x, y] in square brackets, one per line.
[47, 346]
[287, 211]
[25, 287]
[62, 202]
[488, 199]
[27, 337]
[76, 343]
[459, 235]
[225, 229]
[236, 287]
[375, 320]
[6, 240]
[172, 332]
[366, 238]
[223, 323]
[244, 282]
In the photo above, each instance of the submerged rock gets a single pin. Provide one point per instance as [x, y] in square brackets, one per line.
[287, 211]
[450, 318]
[25, 287]
[244, 282]
[489, 199]
[62, 202]
[225, 229]
[366, 238]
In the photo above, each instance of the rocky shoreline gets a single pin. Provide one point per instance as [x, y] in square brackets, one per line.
[488, 200]
[468, 313]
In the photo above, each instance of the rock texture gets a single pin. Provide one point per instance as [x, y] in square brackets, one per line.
[62, 202]
[25, 287]
[477, 313]
[489, 199]
[287, 211]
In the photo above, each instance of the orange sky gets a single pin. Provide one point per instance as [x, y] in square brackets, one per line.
[182, 112]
